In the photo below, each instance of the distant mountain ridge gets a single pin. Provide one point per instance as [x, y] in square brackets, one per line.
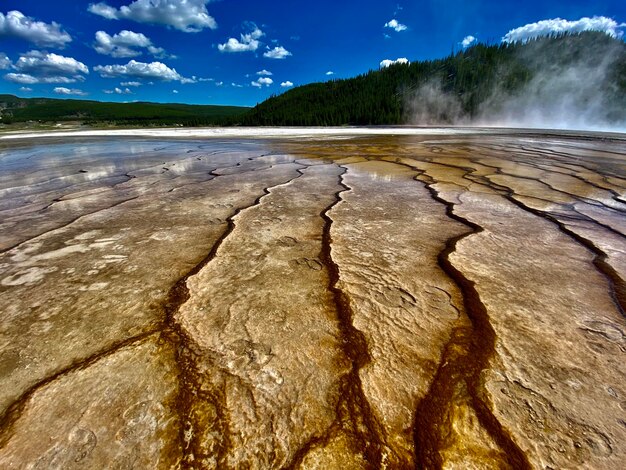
[14, 109]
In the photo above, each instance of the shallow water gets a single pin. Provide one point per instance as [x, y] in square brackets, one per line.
[452, 299]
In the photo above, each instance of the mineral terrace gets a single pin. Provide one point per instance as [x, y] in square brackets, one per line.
[453, 300]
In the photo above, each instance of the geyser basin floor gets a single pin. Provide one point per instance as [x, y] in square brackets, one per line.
[453, 300]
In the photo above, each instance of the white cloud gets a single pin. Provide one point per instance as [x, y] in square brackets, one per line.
[401, 60]
[286, 84]
[26, 89]
[40, 67]
[248, 42]
[330, 72]
[189, 16]
[175, 92]
[236, 85]
[31, 80]
[125, 44]
[558, 25]
[119, 91]
[160, 53]
[18, 25]
[46, 64]
[5, 62]
[395, 25]
[133, 69]
[104, 10]
[468, 41]
[21, 78]
[279, 52]
[219, 83]
[61, 90]
[131, 84]
[263, 81]
[194, 79]
[267, 73]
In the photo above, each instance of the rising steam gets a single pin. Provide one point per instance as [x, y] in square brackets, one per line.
[430, 105]
[569, 83]
[578, 94]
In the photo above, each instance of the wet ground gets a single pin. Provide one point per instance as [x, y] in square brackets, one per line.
[453, 300]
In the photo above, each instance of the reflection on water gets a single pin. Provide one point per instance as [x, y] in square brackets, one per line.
[52, 170]
[40, 168]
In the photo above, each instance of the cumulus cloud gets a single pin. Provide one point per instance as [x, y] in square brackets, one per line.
[40, 67]
[279, 52]
[16, 24]
[27, 79]
[189, 16]
[263, 81]
[104, 10]
[264, 72]
[330, 72]
[26, 89]
[131, 84]
[46, 64]
[21, 78]
[5, 62]
[286, 84]
[133, 69]
[61, 90]
[395, 25]
[125, 44]
[119, 91]
[558, 25]
[236, 85]
[175, 92]
[248, 42]
[468, 41]
[387, 62]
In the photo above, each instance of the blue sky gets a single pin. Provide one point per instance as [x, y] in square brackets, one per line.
[223, 51]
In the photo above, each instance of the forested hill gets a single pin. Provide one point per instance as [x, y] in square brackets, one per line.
[14, 109]
[577, 78]
[587, 70]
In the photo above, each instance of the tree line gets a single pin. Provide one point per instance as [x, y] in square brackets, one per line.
[390, 95]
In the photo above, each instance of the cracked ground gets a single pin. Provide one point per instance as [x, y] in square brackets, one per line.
[429, 302]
